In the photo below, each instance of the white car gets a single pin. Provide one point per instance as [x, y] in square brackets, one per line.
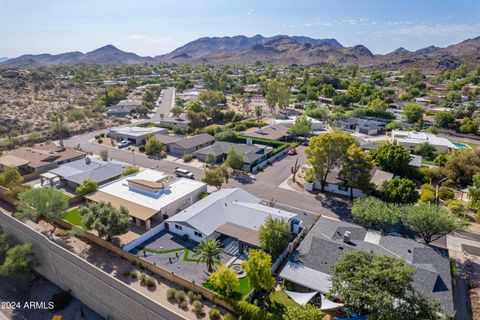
[123, 144]
[183, 173]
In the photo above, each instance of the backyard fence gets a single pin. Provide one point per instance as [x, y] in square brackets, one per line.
[168, 275]
[288, 251]
[144, 237]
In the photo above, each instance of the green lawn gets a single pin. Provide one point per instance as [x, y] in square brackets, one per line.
[282, 298]
[428, 162]
[241, 294]
[75, 218]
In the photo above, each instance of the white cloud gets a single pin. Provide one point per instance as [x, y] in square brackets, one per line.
[431, 30]
[143, 37]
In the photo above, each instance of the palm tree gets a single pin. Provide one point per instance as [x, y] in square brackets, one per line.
[208, 250]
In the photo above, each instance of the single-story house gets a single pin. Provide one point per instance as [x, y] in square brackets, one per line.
[335, 185]
[150, 195]
[269, 132]
[38, 159]
[189, 94]
[74, 173]
[309, 268]
[231, 212]
[365, 126]
[252, 154]
[412, 139]
[252, 89]
[189, 145]
[123, 108]
[136, 135]
[178, 122]
[317, 125]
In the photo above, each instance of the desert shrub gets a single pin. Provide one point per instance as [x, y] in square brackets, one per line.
[129, 170]
[180, 296]
[61, 300]
[162, 154]
[427, 193]
[134, 274]
[214, 314]
[171, 293]
[187, 157]
[457, 207]
[197, 307]
[97, 137]
[60, 233]
[148, 281]
[184, 305]
[102, 135]
[100, 141]
[141, 148]
[199, 297]
[76, 114]
[191, 296]
[228, 316]
[240, 127]
[446, 193]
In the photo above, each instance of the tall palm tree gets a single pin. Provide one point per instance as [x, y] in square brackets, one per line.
[208, 250]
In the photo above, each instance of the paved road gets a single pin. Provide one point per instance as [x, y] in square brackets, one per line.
[166, 104]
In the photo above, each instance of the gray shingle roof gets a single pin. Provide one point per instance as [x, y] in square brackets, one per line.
[250, 152]
[324, 245]
[96, 170]
[192, 142]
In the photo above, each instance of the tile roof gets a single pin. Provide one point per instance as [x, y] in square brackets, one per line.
[43, 155]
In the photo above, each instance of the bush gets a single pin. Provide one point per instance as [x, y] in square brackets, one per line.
[251, 312]
[477, 216]
[102, 135]
[457, 207]
[100, 141]
[141, 148]
[61, 300]
[129, 170]
[184, 305]
[199, 297]
[197, 307]
[228, 316]
[171, 294]
[126, 273]
[445, 193]
[427, 193]
[191, 296]
[148, 281]
[201, 196]
[187, 157]
[240, 127]
[210, 159]
[214, 314]
[97, 137]
[61, 233]
[180, 296]
[134, 274]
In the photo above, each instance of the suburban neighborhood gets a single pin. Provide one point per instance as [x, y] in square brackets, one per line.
[277, 178]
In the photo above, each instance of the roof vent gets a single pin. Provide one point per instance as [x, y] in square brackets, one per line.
[346, 236]
[87, 160]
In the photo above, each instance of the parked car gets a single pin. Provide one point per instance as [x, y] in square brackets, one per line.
[123, 144]
[292, 152]
[183, 173]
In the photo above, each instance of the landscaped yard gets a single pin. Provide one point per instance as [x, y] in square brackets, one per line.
[241, 294]
[282, 298]
[75, 218]
[428, 162]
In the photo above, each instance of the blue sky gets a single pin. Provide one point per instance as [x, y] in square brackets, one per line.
[149, 27]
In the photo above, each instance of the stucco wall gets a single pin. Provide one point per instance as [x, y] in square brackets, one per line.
[104, 294]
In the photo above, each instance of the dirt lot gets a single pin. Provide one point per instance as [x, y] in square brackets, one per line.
[27, 99]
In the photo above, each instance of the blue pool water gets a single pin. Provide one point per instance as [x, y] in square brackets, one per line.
[459, 145]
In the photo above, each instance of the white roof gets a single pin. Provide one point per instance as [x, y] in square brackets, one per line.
[415, 160]
[302, 298]
[292, 119]
[136, 131]
[176, 190]
[232, 205]
[307, 277]
[414, 137]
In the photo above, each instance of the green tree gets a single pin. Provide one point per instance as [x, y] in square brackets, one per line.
[307, 312]
[377, 105]
[462, 165]
[426, 150]
[379, 286]
[226, 135]
[234, 159]
[325, 152]
[440, 159]
[258, 268]
[392, 158]
[374, 213]
[445, 119]
[214, 177]
[211, 99]
[107, 220]
[210, 159]
[356, 169]
[19, 259]
[194, 106]
[48, 203]
[400, 190]
[431, 222]
[11, 179]
[208, 251]
[128, 170]
[153, 146]
[413, 112]
[176, 111]
[258, 112]
[274, 235]
[474, 192]
[276, 95]
[225, 280]
[86, 187]
[301, 127]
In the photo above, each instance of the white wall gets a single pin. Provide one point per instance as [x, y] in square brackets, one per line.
[185, 231]
[334, 188]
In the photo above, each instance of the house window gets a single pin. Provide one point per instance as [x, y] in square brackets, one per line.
[198, 234]
[178, 227]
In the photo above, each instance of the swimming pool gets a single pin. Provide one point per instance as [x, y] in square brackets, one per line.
[459, 145]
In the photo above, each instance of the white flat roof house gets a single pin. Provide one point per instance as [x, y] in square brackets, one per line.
[288, 122]
[411, 139]
[232, 212]
[136, 135]
[150, 194]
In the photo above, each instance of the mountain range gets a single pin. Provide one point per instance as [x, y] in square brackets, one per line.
[280, 49]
